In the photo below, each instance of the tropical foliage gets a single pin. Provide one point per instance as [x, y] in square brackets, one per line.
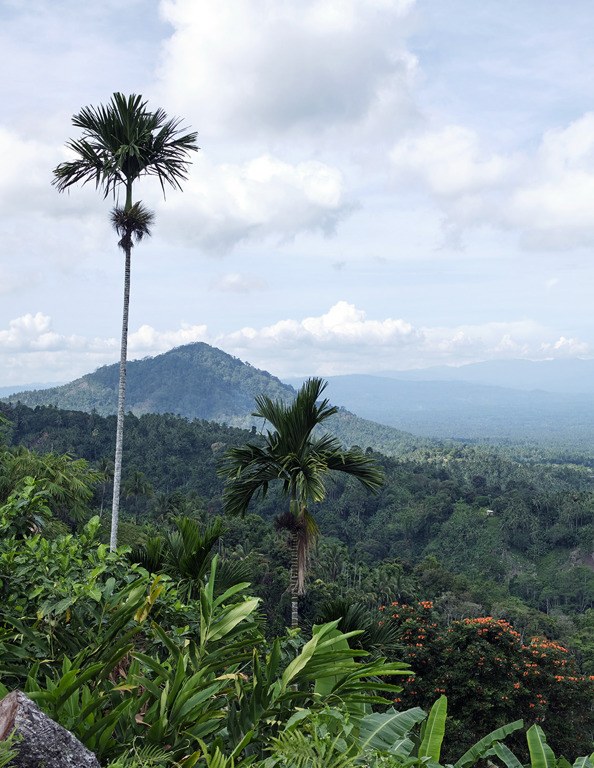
[170, 656]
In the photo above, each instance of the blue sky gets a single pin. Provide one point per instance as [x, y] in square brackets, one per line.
[382, 184]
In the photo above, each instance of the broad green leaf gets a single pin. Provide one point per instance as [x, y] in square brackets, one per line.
[296, 718]
[195, 702]
[230, 592]
[273, 659]
[434, 730]
[231, 619]
[241, 746]
[382, 731]
[541, 755]
[583, 762]
[307, 652]
[478, 750]
[60, 606]
[325, 684]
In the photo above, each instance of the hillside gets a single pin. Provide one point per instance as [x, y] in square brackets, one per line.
[198, 381]
[433, 504]
[549, 402]
[195, 381]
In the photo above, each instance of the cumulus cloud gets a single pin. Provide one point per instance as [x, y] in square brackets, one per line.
[25, 168]
[31, 350]
[546, 195]
[148, 341]
[553, 204]
[449, 162]
[250, 67]
[264, 197]
[342, 340]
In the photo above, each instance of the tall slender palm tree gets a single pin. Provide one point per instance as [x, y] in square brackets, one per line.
[121, 142]
[301, 459]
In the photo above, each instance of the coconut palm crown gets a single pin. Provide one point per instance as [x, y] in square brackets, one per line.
[294, 454]
[122, 141]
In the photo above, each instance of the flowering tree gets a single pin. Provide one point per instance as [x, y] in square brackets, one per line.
[491, 677]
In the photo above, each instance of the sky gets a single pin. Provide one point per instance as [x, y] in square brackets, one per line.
[381, 184]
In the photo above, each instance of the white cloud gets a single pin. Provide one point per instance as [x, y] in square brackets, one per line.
[264, 197]
[25, 173]
[553, 205]
[343, 340]
[148, 341]
[30, 350]
[566, 348]
[235, 282]
[546, 196]
[250, 67]
[449, 162]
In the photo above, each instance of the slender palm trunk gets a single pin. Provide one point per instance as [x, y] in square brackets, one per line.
[117, 470]
[294, 579]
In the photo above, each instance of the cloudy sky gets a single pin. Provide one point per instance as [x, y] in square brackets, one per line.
[381, 184]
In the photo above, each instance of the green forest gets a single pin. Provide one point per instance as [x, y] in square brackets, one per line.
[438, 612]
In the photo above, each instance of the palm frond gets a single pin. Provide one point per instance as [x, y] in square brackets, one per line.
[375, 638]
[189, 549]
[150, 555]
[122, 141]
[357, 464]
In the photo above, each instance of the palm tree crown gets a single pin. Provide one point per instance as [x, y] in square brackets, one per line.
[122, 141]
[301, 460]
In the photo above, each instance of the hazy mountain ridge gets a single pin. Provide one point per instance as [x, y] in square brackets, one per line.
[571, 376]
[468, 410]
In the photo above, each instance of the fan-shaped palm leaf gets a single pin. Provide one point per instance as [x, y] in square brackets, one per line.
[375, 638]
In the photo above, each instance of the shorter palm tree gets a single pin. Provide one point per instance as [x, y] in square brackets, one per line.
[185, 554]
[137, 485]
[105, 468]
[301, 459]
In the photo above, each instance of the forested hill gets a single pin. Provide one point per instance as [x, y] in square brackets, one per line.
[198, 381]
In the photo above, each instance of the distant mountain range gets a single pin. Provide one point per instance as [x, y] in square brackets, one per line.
[573, 376]
[7, 391]
[498, 401]
[461, 410]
